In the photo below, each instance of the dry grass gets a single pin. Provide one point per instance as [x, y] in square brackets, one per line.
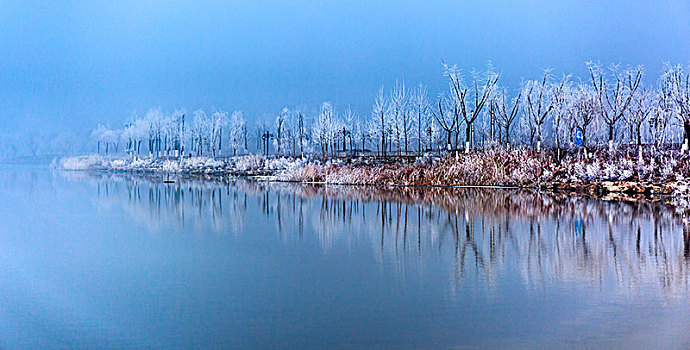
[500, 167]
[493, 167]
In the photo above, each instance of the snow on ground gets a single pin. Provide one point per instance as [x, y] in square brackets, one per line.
[238, 164]
[660, 171]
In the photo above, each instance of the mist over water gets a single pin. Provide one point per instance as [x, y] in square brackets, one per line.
[114, 260]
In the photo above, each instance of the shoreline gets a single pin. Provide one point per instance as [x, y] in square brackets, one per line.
[410, 194]
[539, 173]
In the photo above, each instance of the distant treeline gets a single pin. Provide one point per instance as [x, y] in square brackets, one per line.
[611, 106]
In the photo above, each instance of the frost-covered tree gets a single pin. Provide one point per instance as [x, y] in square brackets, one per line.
[281, 128]
[177, 135]
[470, 100]
[637, 113]
[360, 135]
[323, 131]
[199, 132]
[294, 131]
[491, 123]
[215, 130]
[155, 119]
[348, 129]
[106, 138]
[288, 136]
[167, 135]
[400, 117]
[586, 105]
[664, 110]
[420, 108]
[338, 133]
[263, 136]
[537, 103]
[562, 114]
[675, 86]
[301, 132]
[506, 111]
[237, 133]
[135, 133]
[433, 137]
[379, 121]
[447, 117]
[111, 138]
[614, 96]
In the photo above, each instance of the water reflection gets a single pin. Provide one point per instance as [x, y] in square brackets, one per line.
[482, 234]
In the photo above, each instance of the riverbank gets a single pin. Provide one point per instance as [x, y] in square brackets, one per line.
[597, 173]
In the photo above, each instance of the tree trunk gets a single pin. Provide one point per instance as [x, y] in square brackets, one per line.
[405, 143]
[383, 145]
[507, 136]
[419, 135]
[468, 133]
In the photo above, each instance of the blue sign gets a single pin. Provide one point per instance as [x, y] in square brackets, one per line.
[578, 138]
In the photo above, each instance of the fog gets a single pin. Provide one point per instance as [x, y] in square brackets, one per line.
[68, 66]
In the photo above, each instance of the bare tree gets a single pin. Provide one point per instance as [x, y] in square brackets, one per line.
[446, 117]
[301, 132]
[675, 85]
[199, 132]
[663, 111]
[379, 123]
[586, 109]
[177, 130]
[135, 133]
[421, 111]
[215, 130]
[281, 130]
[400, 121]
[154, 118]
[494, 129]
[506, 112]
[638, 113]
[263, 136]
[359, 135]
[238, 133]
[614, 97]
[538, 101]
[349, 129]
[562, 112]
[470, 100]
[324, 128]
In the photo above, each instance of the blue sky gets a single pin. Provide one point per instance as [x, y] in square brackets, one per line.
[71, 64]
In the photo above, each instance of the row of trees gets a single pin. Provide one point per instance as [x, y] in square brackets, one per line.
[176, 134]
[609, 107]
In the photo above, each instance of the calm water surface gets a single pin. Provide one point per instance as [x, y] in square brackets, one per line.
[95, 261]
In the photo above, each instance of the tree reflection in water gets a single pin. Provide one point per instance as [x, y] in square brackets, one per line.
[483, 232]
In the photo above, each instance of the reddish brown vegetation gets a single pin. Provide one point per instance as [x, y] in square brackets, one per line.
[495, 167]
[596, 173]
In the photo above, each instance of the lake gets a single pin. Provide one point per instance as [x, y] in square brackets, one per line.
[122, 261]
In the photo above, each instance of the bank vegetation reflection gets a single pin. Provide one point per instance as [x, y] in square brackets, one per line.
[480, 232]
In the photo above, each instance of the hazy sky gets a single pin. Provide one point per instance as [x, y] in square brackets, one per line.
[79, 64]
